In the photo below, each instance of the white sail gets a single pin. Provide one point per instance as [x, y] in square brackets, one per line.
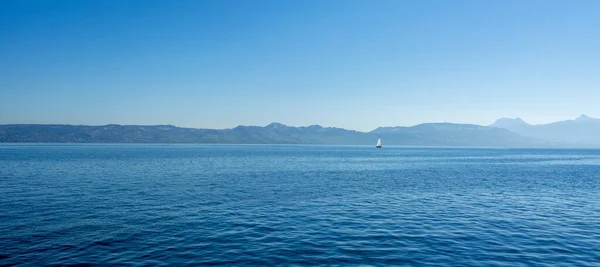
[378, 141]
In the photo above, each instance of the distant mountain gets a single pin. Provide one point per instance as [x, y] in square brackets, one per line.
[274, 133]
[429, 134]
[582, 131]
[508, 122]
[583, 117]
[450, 134]
[112, 133]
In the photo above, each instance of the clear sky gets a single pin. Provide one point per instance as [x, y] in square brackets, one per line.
[350, 64]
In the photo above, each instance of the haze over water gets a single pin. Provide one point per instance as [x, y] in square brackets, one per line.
[297, 205]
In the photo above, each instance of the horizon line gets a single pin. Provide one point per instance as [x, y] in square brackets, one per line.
[287, 125]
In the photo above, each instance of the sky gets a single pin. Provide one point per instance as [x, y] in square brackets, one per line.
[355, 64]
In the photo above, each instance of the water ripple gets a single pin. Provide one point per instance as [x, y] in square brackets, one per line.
[297, 205]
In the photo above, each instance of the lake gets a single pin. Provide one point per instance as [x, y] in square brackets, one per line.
[147, 204]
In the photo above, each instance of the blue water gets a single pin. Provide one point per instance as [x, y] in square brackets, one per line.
[297, 205]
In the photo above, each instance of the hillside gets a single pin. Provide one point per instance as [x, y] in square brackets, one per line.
[430, 134]
[450, 134]
[580, 132]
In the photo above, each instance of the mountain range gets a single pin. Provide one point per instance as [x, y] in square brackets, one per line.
[581, 132]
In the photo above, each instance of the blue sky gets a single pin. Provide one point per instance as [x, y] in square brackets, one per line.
[351, 64]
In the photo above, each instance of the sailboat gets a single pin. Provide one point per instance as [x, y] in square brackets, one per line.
[379, 142]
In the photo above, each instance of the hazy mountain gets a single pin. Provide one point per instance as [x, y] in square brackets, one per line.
[430, 134]
[508, 122]
[583, 117]
[103, 134]
[274, 133]
[450, 134]
[582, 131]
